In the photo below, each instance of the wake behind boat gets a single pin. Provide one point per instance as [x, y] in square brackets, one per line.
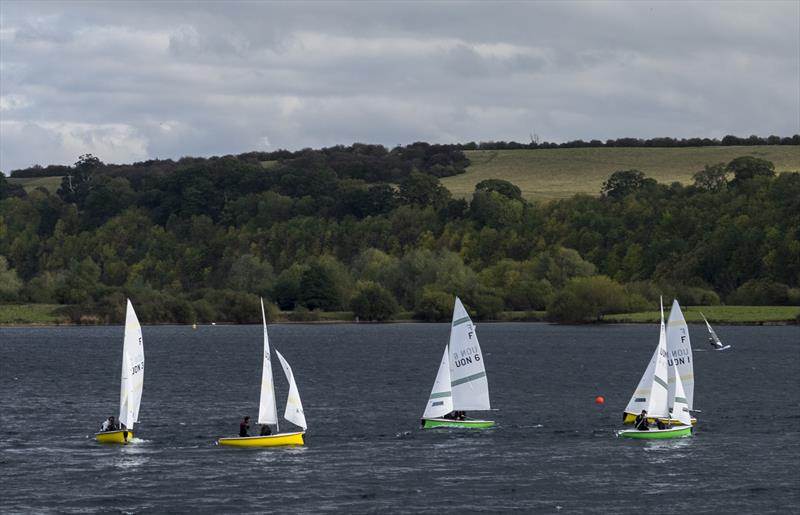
[461, 382]
[131, 382]
[268, 411]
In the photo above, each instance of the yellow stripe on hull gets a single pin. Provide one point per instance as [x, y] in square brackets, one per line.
[278, 440]
[120, 436]
[631, 418]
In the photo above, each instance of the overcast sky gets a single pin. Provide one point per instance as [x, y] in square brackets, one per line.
[133, 81]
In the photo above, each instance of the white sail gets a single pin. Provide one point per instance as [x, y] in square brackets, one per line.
[440, 402]
[679, 349]
[714, 337]
[659, 396]
[294, 408]
[651, 392]
[267, 409]
[467, 373]
[132, 376]
[640, 400]
[680, 406]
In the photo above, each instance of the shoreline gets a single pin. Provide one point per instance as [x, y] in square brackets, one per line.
[44, 315]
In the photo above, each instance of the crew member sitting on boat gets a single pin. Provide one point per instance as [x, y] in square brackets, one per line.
[265, 430]
[109, 425]
[641, 422]
[244, 426]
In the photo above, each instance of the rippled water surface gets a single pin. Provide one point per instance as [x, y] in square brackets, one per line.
[363, 389]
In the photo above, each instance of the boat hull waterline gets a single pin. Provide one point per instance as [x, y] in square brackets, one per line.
[121, 436]
[431, 423]
[279, 440]
[657, 434]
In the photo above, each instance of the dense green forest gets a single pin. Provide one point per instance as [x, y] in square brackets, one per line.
[371, 230]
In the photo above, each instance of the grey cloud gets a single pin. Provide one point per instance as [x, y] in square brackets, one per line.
[168, 79]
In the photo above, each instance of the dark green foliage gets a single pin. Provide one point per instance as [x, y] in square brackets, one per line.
[502, 187]
[435, 306]
[760, 292]
[712, 177]
[625, 182]
[318, 289]
[423, 190]
[748, 167]
[373, 302]
[587, 299]
[202, 239]
[77, 182]
[8, 189]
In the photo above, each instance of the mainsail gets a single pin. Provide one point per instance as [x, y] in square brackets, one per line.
[132, 376]
[651, 393]
[294, 408]
[679, 349]
[440, 402]
[470, 388]
[717, 342]
[267, 409]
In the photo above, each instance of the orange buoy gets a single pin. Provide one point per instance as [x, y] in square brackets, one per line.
[599, 400]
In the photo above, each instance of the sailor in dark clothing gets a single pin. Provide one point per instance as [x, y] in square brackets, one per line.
[109, 425]
[641, 422]
[265, 430]
[244, 426]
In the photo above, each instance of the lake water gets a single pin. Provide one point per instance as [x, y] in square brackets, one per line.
[363, 389]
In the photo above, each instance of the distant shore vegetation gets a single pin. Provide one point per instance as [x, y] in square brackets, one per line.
[373, 232]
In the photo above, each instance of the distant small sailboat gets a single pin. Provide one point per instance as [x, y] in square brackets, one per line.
[654, 396]
[713, 339]
[268, 411]
[461, 382]
[131, 381]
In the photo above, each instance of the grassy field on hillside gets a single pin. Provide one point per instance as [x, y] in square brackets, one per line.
[559, 173]
[51, 184]
[30, 314]
[718, 314]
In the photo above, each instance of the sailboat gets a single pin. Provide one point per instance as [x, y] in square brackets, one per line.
[713, 339]
[461, 382]
[131, 381]
[268, 410]
[679, 353]
[654, 395]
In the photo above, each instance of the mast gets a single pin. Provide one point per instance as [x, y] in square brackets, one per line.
[267, 410]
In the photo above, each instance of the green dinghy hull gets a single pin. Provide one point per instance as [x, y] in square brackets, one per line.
[431, 423]
[657, 434]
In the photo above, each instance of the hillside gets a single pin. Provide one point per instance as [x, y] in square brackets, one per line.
[545, 174]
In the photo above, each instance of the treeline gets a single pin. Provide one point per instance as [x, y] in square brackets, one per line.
[372, 163]
[664, 142]
[327, 231]
[377, 163]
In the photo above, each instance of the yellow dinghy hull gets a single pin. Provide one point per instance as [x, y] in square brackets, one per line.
[278, 440]
[629, 418]
[122, 436]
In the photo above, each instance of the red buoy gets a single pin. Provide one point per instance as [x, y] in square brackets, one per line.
[599, 400]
